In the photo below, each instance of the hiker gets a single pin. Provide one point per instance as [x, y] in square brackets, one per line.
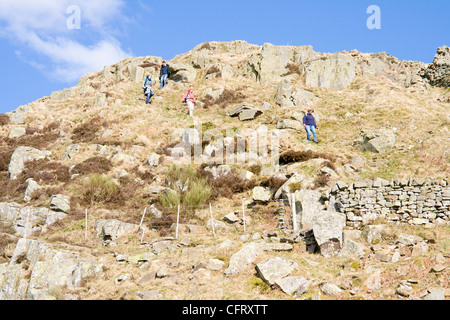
[164, 74]
[147, 86]
[310, 125]
[189, 98]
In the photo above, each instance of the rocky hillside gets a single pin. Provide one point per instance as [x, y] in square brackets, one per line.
[96, 186]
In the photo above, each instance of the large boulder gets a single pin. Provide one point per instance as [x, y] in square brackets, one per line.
[262, 194]
[110, 229]
[290, 124]
[244, 258]
[22, 155]
[328, 231]
[273, 269]
[307, 205]
[377, 140]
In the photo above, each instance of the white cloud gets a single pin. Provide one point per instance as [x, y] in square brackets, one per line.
[41, 27]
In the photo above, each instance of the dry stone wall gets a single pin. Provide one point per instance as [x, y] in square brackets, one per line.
[413, 201]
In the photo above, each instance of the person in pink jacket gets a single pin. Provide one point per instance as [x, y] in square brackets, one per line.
[189, 98]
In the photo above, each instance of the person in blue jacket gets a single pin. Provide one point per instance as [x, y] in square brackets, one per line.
[310, 125]
[164, 74]
[148, 90]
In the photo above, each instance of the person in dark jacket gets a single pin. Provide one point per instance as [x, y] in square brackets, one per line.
[164, 74]
[310, 125]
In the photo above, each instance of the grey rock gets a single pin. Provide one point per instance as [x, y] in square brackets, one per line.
[17, 132]
[292, 285]
[273, 269]
[33, 219]
[290, 124]
[153, 159]
[330, 289]
[244, 258]
[111, 229]
[438, 72]
[32, 186]
[149, 295]
[231, 218]
[71, 151]
[60, 203]
[435, 293]
[373, 233]
[352, 249]
[378, 141]
[262, 194]
[9, 212]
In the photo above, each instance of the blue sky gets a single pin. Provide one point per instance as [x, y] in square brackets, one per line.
[41, 52]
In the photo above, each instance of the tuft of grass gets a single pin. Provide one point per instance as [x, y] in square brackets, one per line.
[98, 189]
[198, 194]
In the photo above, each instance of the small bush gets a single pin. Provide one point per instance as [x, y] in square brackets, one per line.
[273, 183]
[4, 119]
[98, 189]
[5, 157]
[321, 181]
[170, 199]
[206, 46]
[98, 165]
[88, 131]
[229, 185]
[295, 187]
[230, 97]
[292, 69]
[43, 171]
[302, 156]
[149, 65]
[255, 169]
[198, 194]
[214, 70]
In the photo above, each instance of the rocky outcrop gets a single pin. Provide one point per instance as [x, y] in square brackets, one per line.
[334, 72]
[38, 271]
[22, 155]
[289, 97]
[28, 220]
[438, 72]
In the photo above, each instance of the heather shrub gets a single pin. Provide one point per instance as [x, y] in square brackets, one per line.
[93, 165]
[4, 119]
